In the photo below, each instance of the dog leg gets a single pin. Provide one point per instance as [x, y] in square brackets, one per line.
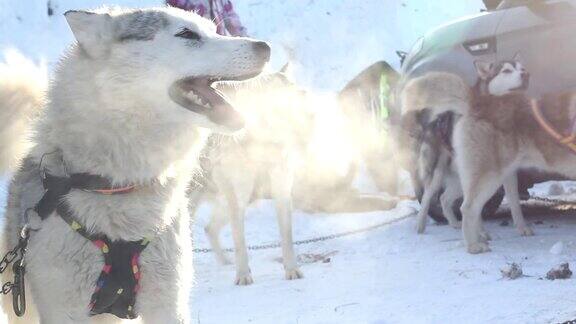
[218, 220]
[471, 214]
[484, 235]
[422, 216]
[451, 193]
[511, 189]
[476, 193]
[237, 195]
[430, 191]
[281, 189]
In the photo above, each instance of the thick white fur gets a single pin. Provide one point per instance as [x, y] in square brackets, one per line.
[438, 91]
[22, 90]
[109, 113]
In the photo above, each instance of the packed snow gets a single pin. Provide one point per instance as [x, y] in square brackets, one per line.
[387, 275]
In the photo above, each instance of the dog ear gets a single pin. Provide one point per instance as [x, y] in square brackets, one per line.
[517, 57]
[287, 70]
[93, 31]
[483, 69]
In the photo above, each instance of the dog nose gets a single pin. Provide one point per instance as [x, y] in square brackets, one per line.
[525, 75]
[262, 48]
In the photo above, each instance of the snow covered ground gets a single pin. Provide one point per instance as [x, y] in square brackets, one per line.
[388, 275]
[392, 275]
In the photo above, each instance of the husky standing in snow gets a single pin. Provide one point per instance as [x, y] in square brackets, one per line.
[260, 162]
[270, 159]
[126, 117]
[447, 94]
[500, 135]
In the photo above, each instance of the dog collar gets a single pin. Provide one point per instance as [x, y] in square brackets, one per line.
[118, 283]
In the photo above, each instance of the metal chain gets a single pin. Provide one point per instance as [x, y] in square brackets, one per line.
[362, 230]
[552, 201]
[316, 239]
[7, 288]
[9, 258]
[17, 286]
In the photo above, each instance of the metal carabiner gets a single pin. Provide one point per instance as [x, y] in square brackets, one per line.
[18, 289]
[18, 286]
[25, 231]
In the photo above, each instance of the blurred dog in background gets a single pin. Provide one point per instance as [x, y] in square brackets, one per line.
[284, 154]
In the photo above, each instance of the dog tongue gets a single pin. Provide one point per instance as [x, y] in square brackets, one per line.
[222, 112]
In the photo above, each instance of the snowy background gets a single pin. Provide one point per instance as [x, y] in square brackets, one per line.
[389, 275]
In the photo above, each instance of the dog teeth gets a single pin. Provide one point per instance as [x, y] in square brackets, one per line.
[194, 97]
[198, 100]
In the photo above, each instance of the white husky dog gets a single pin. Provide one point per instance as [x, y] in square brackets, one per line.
[440, 94]
[275, 157]
[131, 103]
[261, 162]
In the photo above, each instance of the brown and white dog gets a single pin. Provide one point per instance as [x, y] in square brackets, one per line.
[495, 136]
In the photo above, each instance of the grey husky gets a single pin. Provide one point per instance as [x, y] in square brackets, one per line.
[131, 102]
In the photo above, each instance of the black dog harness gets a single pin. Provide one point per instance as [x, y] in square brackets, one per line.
[118, 283]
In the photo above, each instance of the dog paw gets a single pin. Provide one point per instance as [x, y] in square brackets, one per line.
[477, 248]
[456, 224]
[420, 228]
[294, 274]
[421, 225]
[526, 231]
[244, 279]
[485, 237]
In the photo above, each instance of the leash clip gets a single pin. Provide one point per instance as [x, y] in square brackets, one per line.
[18, 286]
[19, 269]
[18, 289]
[25, 233]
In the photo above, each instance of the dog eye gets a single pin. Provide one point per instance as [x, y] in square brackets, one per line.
[188, 34]
[507, 71]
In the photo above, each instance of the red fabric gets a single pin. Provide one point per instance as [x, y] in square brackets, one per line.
[226, 19]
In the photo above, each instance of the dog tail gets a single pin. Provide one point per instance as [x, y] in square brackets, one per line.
[437, 91]
[23, 86]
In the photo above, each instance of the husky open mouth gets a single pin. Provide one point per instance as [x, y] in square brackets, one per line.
[198, 95]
